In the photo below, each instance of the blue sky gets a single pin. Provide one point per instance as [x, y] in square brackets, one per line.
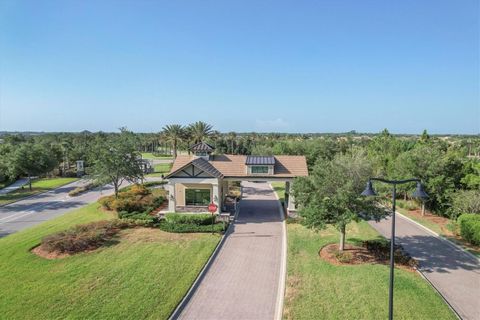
[290, 66]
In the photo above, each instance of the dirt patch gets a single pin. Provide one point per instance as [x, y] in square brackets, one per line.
[41, 252]
[134, 235]
[355, 255]
[442, 222]
[291, 292]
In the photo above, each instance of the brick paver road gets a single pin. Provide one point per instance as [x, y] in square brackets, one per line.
[243, 280]
[453, 272]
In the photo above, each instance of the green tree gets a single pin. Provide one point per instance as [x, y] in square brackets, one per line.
[30, 160]
[471, 180]
[115, 159]
[465, 201]
[331, 194]
[199, 131]
[174, 134]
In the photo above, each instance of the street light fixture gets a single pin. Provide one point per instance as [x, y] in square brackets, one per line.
[419, 193]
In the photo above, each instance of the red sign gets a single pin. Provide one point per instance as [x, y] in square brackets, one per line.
[212, 207]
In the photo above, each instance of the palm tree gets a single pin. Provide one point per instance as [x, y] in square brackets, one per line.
[199, 130]
[232, 136]
[174, 133]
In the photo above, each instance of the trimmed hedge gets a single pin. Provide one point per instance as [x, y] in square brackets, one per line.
[146, 219]
[470, 227]
[185, 223]
[189, 228]
[194, 219]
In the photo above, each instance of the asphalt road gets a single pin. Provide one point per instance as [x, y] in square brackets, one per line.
[243, 280]
[42, 207]
[453, 272]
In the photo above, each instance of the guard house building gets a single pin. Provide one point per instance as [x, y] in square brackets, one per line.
[203, 177]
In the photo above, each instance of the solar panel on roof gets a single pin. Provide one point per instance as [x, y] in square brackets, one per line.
[260, 160]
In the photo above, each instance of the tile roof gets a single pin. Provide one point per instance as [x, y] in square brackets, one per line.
[234, 165]
[202, 146]
[207, 167]
[261, 160]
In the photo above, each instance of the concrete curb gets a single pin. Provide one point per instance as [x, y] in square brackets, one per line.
[283, 267]
[450, 243]
[439, 293]
[178, 310]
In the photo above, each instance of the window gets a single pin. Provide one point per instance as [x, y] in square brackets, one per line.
[201, 154]
[259, 169]
[197, 197]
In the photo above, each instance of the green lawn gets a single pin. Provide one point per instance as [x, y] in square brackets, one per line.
[425, 222]
[279, 188]
[319, 290]
[144, 276]
[161, 168]
[38, 186]
[151, 156]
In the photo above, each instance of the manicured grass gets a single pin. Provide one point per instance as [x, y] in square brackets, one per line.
[444, 228]
[319, 290]
[151, 156]
[38, 186]
[279, 188]
[425, 222]
[161, 168]
[144, 276]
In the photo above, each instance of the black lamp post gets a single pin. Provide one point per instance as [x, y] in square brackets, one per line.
[419, 193]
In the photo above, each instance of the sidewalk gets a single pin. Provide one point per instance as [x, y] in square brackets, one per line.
[14, 186]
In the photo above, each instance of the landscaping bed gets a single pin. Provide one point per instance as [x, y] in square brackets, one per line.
[371, 251]
[318, 289]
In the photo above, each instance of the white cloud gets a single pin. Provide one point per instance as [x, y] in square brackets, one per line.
[271, 125]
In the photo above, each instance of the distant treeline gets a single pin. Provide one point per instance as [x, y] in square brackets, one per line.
[448, 164]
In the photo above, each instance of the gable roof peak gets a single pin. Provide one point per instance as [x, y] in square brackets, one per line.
[202, 147]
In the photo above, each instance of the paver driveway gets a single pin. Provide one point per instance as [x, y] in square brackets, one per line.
[453, 272]
[244, 279]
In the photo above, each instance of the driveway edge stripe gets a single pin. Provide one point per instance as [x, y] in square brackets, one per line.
[283, 266]
[178, 310]
[454, 245]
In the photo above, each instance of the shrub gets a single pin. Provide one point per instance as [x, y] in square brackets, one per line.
[84, 237]
[194, 219]
[381, 249]
[188, 227]
[139, 217]
[470, 227]
[154, 183]
[140, 190]
[79, 190]
[136, 198]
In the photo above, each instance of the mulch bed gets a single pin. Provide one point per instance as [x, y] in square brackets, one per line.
[356, 255]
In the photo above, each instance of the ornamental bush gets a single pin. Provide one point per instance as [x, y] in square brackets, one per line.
[195, 219]
[189, 227]
[469, 224]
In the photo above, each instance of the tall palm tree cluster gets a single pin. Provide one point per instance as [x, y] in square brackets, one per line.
[178, 135]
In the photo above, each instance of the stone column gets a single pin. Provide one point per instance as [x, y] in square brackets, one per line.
[217, 197]
[291, 199]
[172, 201]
